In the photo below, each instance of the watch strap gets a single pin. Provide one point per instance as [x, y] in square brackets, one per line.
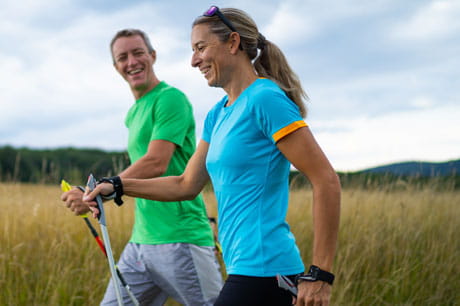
[117, 187]
[316, 274]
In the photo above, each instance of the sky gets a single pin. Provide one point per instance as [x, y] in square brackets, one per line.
[382, 76]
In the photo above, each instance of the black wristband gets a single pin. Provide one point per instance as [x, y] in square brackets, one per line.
[316, 274]
[117, 187]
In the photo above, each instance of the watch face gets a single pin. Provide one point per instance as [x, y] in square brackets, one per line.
[314, 272]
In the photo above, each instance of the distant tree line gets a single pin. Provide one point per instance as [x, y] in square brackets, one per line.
[50, 166]
[385, 181]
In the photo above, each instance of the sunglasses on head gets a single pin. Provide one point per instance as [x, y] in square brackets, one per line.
[214, 11]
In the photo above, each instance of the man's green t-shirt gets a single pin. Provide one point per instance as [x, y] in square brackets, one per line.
[165, 113]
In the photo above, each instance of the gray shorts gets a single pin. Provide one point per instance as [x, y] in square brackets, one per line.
[188, 273]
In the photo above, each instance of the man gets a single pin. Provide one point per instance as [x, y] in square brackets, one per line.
[170, 253]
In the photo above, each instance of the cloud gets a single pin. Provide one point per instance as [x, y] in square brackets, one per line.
[378, 93]
[288, 19]
[435, 21]
[364, 142]
[65, 76]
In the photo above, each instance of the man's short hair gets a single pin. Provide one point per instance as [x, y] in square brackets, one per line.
[129, 33]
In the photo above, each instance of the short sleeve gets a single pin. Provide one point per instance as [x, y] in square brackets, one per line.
[172, 117]
[207, 128]
[276, 115]
[210, 120]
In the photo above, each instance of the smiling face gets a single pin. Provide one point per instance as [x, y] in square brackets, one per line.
[135, 64]
[210, 56]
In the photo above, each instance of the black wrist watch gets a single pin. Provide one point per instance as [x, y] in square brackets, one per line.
[315, 274]
[117, 187]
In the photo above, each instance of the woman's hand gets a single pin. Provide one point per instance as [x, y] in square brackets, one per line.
[90, 196]
[313, 293]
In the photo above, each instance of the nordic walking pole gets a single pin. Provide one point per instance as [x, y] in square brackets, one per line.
[67, 187]
[105, 235]
[285, 283]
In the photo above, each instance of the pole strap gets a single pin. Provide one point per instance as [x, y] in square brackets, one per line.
[117, 187]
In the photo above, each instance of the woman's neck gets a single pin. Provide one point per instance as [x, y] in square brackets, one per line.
[239, 82]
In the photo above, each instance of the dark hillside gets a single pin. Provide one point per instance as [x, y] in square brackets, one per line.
[423, 169]
[444, 176]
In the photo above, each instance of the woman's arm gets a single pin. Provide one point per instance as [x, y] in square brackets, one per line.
[171, 188]
[302, 150]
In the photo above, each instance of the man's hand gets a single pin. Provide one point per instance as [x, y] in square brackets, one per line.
[73, 200]
[313, 293]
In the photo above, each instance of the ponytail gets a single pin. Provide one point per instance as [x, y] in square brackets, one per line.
[272, 64]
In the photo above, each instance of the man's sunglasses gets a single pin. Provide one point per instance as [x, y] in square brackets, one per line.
[214, 10]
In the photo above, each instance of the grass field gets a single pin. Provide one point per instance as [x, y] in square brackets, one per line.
[395, 248]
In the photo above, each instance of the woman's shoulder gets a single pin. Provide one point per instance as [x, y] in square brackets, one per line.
[265, 89]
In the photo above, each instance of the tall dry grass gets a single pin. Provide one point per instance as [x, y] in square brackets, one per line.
[397, 248]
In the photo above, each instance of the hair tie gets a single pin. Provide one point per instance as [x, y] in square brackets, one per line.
[261, 41]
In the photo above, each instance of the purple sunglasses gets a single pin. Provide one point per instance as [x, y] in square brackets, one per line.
[214, 10]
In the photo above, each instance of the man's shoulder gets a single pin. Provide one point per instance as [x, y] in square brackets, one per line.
[164, 93]
[166, 89]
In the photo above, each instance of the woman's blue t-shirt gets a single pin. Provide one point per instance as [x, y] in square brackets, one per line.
[250, 179]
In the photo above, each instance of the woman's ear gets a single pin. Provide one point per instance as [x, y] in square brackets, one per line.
[234, 42]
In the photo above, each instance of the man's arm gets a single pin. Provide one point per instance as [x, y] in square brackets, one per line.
[170, 188]
[154, 163]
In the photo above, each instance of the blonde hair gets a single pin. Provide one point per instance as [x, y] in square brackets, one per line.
[270, 63]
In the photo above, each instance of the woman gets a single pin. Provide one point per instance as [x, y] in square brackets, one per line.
[250, 139]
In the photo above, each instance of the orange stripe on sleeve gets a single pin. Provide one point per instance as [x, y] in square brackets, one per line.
[288, 129]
